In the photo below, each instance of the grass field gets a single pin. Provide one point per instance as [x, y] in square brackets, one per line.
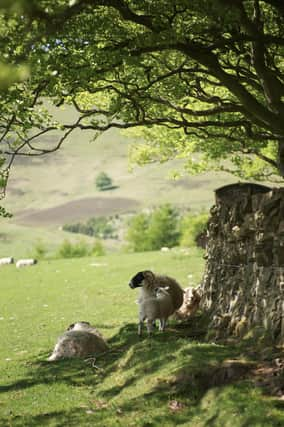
[160, 381]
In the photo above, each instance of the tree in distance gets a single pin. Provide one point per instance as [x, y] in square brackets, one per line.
[103, 182]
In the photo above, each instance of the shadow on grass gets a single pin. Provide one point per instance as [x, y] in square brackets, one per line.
[69, 418]
[196, 370]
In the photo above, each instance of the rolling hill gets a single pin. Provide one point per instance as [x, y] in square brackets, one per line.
[46, 192]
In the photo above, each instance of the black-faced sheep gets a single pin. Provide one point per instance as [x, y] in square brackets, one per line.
[25, 262]
[148, 282]
[155, 307]
[80, 340]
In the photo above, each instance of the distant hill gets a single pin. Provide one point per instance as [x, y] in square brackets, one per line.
[46, 192]
[68, 175]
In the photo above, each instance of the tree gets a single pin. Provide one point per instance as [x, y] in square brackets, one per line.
[152, 231]
[163, 228]
[137, 233]
[203, 77]
[103, 182]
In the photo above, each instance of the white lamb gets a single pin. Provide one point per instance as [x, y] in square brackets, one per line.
[160, 306]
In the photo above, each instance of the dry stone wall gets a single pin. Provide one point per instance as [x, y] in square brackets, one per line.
[243, 284]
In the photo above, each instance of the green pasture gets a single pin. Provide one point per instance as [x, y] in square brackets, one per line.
[157, 381]
[20, 242]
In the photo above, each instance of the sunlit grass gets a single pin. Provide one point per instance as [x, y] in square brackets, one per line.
[158, 381]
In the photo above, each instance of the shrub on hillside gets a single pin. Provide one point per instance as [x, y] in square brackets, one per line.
[193, 229]
[137, 233]
[103, 182]
[39, 250]
[164, 227]
[98, 248]
[79, 249]
[101, 227]
[73, 250]
[152, 231]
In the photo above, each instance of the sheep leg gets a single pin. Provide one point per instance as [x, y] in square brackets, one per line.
[141, 321]
[140, 325]
[162, 325]
[149, 326]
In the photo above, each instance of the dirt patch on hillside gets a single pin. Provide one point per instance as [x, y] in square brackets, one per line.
[77, 210]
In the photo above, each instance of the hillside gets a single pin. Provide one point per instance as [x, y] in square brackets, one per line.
[46, 192]
[69, 174]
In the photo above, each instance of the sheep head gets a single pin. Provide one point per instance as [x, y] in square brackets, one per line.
[81, 325]
[141, 278]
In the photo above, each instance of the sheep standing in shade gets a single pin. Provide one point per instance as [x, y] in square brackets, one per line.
[79, 340]
[25, 262]
[148, 282]
[6, 261]
[159, 307]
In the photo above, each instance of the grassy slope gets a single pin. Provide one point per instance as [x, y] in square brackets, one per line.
[134, 383]
[69, 174]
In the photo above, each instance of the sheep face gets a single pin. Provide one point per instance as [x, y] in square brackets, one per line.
[139, 279]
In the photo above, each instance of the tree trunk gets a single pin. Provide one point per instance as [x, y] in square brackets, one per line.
[243, 284]
[280, 158]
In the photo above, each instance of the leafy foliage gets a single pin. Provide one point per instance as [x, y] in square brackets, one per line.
[98, 249]
[192, 226]
[101, 227]
[103, 182]
[79, 249]
[4, 213]
[205, 79]
[39, 250]
[137, 233]
[154, 230]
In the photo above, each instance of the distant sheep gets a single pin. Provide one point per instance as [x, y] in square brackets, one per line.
[79, 340]
[25, 262]
[159, 307]
[148, 282]
[6, 261]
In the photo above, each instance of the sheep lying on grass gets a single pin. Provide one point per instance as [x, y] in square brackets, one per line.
[149, 282]
[159, 307]
[80, 340]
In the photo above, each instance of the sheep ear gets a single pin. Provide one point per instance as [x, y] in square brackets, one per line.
[167, 288]
[149, 276]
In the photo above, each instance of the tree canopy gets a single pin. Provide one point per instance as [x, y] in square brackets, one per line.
[203, 79]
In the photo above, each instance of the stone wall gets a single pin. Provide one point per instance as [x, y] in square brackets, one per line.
[243, 283]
